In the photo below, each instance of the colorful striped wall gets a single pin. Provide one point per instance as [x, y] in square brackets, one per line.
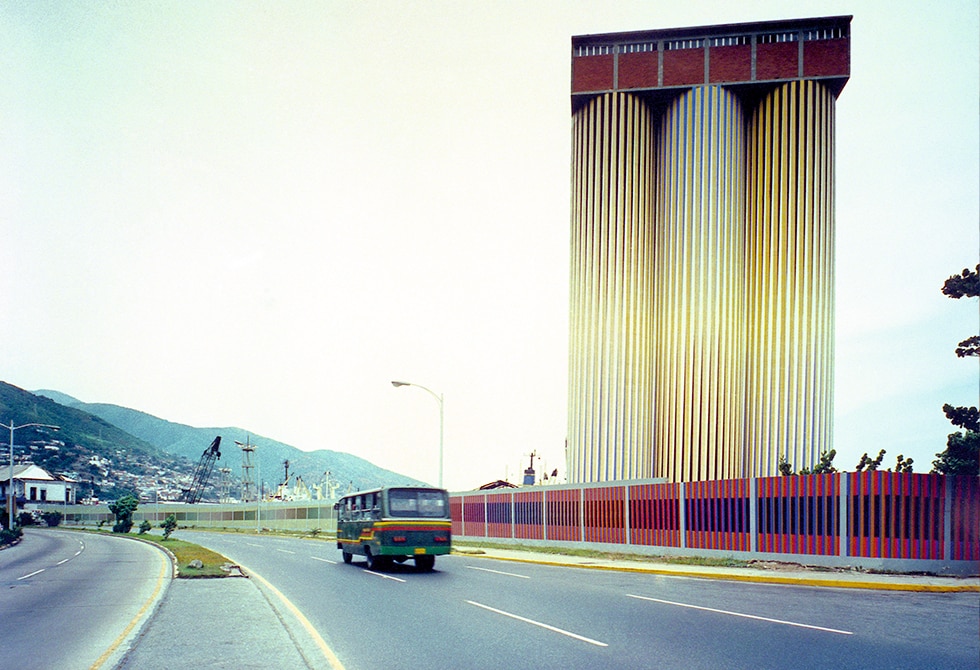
[874, 515]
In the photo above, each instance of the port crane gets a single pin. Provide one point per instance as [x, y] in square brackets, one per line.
[202, 474]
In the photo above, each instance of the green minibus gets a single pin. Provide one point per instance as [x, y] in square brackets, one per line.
[394, 523]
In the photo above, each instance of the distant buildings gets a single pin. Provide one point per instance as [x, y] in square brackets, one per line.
[35, 485]
[702, 254]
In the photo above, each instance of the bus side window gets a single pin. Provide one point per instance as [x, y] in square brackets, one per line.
[375, 506]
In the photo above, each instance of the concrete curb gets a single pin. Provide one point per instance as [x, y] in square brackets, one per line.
[834, 582]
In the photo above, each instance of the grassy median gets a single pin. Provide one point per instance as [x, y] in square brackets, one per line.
[213, 564]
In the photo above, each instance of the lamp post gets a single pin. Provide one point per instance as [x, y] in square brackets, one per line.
[439, 399]
[10, 482]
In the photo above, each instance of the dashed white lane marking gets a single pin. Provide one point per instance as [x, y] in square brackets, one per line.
[285, 551]
[497, 572]
[36, 572]
[325, 560]
[539, 624]
[745, 616]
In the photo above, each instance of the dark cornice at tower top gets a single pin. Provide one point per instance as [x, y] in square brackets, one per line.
[744, 56]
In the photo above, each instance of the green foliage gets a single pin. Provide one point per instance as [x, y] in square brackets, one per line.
[785, 468]
[962, 455]
[145, 527]
[10, 536]
[825, 466]
[169, 525]
[903, 464]
[869, 464]
[52, 519]
[967, 418]
[969, 347]
[964, 285]
[25, 519]
[123, 510]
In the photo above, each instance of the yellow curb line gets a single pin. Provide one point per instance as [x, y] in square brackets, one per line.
[319, 641]
[774, 579]
[164, 561]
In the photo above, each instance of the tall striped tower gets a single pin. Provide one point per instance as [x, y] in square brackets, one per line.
[701, 316]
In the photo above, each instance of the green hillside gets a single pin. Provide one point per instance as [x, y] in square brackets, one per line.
[102, 457]
[189, 442]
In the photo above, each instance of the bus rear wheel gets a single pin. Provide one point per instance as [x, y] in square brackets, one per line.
[375, 562]
[425, 562]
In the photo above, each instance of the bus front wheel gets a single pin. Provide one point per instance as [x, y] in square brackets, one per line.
[425, 562]
[348, 557]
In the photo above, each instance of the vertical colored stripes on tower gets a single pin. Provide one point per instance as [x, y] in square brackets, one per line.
[610, 322]
[702, 280]
[697, 287]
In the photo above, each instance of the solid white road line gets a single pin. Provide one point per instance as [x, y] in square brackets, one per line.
[379, 574]
[498, 572]
[746, 616]
[539, 624]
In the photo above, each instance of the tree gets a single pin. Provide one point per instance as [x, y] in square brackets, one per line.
[825, 466]
[169, 525]
[785, 467]
[903, 464]
[962, 454]
[123, 510]
[869, 464]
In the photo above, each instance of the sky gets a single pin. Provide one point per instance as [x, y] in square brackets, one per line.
[260, 214]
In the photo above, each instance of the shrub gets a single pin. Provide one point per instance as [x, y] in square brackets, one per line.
[169, 525]
[10, 536]
[52, 518]
[123, 510]
[145, 527]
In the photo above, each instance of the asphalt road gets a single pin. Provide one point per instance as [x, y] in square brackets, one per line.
[479, 613]
[67, 600]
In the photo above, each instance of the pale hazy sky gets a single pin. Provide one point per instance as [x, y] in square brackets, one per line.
[259, 214]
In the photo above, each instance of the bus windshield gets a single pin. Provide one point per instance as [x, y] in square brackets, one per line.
[417, 503]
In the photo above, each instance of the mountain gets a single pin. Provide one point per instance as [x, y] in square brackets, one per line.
[179, 440]
[104, 459]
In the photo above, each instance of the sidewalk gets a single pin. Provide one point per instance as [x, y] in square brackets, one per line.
[225, 623]
[773, 573]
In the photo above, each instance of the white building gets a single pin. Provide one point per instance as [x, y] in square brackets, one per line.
[34, 485]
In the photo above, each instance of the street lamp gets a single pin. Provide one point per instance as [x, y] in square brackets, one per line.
[439, 399]
[10, 482]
